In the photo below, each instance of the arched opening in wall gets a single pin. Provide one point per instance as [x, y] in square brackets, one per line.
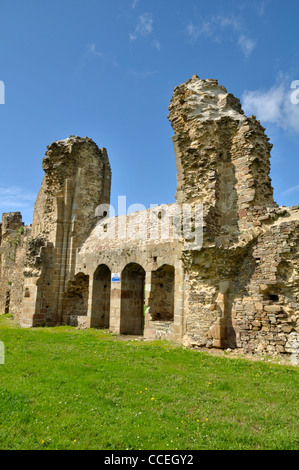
[281, 292]
[76, 299]
[161, 301]
[100, 314]
[7, 302]
[272, 294]
[27, 292]
[132, 300]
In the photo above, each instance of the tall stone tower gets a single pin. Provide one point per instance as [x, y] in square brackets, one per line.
[77, 179]
[223, 163]
[222, 157]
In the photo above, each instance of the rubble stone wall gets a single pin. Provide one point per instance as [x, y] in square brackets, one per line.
[247, 297]
[241, 288]
[77, 179]
[13, 244]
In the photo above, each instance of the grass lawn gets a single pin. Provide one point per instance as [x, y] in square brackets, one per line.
[63, 388]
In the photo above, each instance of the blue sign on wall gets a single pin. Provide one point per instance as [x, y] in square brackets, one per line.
[115, 277]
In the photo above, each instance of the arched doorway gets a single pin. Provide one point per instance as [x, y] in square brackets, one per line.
[161, 300]
[76, 299]
[132, 300]
[100, 314]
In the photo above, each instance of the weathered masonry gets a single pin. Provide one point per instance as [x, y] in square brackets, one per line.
[237, 288]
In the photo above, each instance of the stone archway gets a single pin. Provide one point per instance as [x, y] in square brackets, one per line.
[132, 300]
[7, 302]
[161, 300]
[76, 299]
[100, 312]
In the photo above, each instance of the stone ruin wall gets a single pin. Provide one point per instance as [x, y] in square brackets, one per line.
[77, 179]
[240, 290]
[246, 298]
[142, 239]
[223, 159]
[13, 246]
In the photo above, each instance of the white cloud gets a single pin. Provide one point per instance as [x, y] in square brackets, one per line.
[106, 58]
[273, 106]
[293, 189]
[133, 37]
[228, 22]
[15, 198]
[216, 28]
[134, 3]
[261, 6]
[157, 45]
[247, 45]
[144, 26]
[92, 50]
[267, 105]
[194, 31]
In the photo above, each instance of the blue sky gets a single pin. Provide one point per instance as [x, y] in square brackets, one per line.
[106, 69]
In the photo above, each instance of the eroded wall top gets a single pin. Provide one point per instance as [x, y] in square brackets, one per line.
[222, 157]
[77, 179]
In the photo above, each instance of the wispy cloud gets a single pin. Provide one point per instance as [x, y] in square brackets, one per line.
[274, 105]
[157, 45]
[144, 28]
[134, 3]
[194, 31]
[247, 45]
[293, 189]
[91, 48]
[141, 74]
[261, 6]
[106, 57]
[93, 53]
[15, 197]
[216, 29]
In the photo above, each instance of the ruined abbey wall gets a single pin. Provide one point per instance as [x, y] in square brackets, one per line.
[13, 245]
[246, 297]
[242, 288]
[217, 269]
[77, 179]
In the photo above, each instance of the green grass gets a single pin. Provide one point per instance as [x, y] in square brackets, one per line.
[63, 388]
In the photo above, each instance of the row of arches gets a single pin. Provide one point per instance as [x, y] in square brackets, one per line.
[94, 298]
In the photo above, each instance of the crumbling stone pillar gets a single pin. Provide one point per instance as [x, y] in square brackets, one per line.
[179, 302]
[223, 162]
[13, 241]
[223, 159]
[115, 307]
[77, 179]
